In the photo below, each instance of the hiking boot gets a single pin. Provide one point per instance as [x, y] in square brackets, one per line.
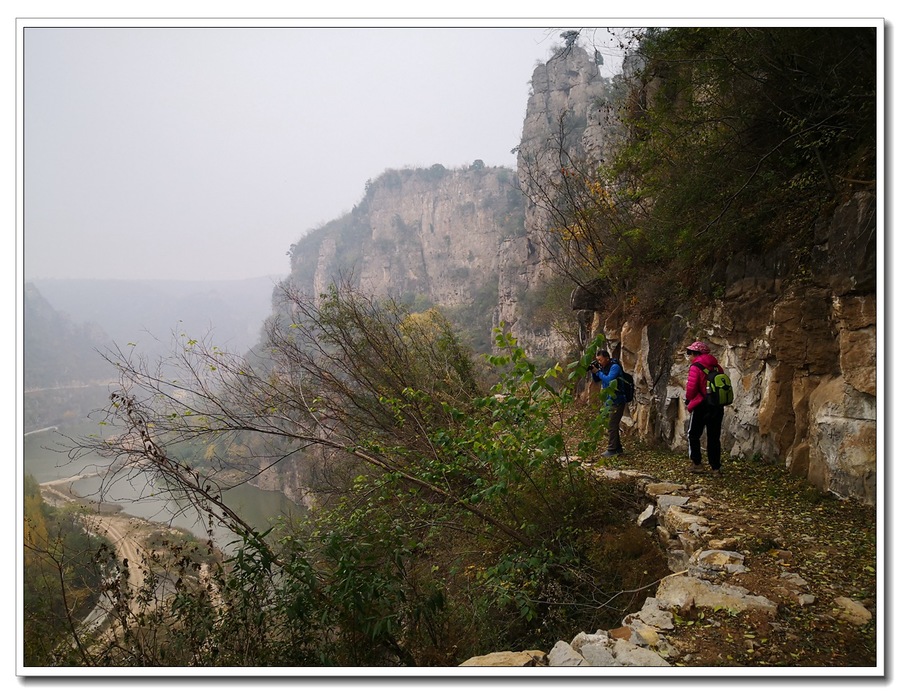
[697, 469]
[717, 472]
[609, 454]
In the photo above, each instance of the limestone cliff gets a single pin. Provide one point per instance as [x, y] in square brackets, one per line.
[797, 334]
[426, 236]
[566, 117]
[468, 240]
[801, 351]
[799, 341]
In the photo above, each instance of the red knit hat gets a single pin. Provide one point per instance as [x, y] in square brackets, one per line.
[698, 346]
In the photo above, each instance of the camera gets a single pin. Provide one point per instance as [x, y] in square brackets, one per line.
[595, 364]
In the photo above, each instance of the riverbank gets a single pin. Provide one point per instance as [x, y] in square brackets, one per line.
[41, 431]
[59, 493]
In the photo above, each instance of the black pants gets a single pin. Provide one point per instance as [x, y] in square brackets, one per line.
[707, 417]
[615, 417]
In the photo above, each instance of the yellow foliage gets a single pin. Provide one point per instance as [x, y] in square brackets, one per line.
[427, 324]
[35, 529]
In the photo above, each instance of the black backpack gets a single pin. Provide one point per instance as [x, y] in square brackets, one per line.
[718, 386]
[626, 382]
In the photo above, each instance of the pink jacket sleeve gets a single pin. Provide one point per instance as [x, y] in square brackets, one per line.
[695, 390]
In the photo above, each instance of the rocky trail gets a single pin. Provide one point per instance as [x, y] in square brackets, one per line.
[767, 572]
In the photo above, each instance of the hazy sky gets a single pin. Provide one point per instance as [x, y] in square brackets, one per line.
[180, 153]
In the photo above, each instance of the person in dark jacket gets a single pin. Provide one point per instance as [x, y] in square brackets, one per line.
[606, 370]
[703, 414]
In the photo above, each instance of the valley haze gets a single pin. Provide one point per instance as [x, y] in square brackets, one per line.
[204, 152]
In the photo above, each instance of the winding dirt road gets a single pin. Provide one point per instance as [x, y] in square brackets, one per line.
[127, 534]
[129, 537]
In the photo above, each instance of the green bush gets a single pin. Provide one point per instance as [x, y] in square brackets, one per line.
[460, 518]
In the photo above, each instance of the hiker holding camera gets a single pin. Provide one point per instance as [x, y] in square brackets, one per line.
[606, 371]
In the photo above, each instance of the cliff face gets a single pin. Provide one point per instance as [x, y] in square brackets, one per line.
[801, 354]
[800, 342]
[800, 347]
[468, 239]
[565, 114]
[429, 236]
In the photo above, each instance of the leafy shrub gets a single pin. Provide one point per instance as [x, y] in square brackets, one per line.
[465, 525]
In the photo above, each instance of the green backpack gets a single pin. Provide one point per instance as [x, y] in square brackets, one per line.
[718, 386]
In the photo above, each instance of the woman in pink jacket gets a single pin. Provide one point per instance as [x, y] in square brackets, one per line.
[703, 414]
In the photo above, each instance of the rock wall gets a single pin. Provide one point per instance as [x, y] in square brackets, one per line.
[799, 339]
[440, 237]
[801, 356]
[800, 343]
[567, 106]
[427, 236]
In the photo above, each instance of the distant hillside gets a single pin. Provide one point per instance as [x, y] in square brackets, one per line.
[57, 351]
[64, 374]
[68, 323]
[148, 313]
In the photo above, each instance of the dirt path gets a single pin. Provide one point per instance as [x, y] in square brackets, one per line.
[787, 531]
[128, 535]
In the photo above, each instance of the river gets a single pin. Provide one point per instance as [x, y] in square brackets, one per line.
[45, 460]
